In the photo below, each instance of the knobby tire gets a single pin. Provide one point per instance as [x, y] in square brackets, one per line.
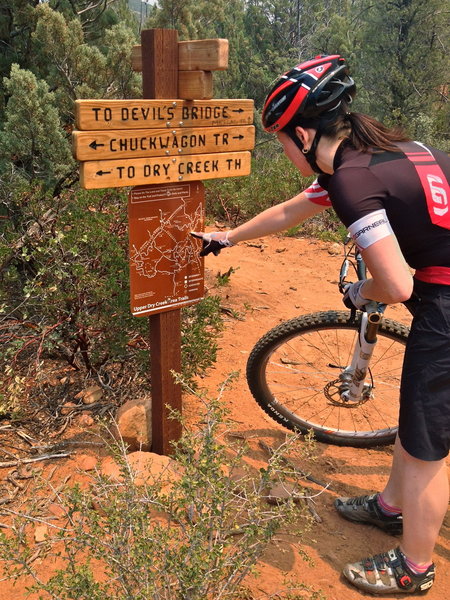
[291, 370]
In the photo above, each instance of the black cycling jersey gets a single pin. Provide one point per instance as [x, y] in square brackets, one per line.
[364, 183]
[406, 193]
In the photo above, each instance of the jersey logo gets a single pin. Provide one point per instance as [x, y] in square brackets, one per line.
[434, 184]
[438, 195]
[369, 229]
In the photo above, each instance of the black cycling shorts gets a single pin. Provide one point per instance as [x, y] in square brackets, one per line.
[424, 425]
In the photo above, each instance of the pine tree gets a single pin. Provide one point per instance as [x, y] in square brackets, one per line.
[33, 139]
[404, 62]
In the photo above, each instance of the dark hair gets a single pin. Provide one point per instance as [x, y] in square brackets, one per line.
[367, 134]
[363, 132]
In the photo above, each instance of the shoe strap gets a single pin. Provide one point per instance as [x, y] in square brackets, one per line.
[402, 577]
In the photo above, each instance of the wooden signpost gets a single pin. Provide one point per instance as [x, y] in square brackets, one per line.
[118, 152]
[164, 145]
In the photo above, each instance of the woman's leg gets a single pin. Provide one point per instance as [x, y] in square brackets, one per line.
[420, 488]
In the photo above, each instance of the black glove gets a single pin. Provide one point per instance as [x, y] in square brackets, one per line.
[353, 299]
[213, 242]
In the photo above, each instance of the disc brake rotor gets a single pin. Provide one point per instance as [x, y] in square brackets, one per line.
[334, 393]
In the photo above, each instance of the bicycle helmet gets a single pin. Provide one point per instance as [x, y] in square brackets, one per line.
[310, 94]
[308, 91]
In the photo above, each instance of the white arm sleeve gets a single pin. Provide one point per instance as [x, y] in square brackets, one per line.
[369, 229]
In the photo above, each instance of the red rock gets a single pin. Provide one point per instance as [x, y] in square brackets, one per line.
[133, 421]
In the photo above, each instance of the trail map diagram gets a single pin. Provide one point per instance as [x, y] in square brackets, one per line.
[165, 267]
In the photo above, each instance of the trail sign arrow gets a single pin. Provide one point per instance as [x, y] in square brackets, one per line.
[94, 145]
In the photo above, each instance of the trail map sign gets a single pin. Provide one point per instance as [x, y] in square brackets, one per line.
[166, 271]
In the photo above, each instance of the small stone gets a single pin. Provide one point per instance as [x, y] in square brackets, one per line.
[67, 408]
[85, 420]
[85, 462]
[147, 468]
[40, 533]
[92, 394]
[133, 424]
[281, 492]
[56, 510]
[334, 249]
[111, 469]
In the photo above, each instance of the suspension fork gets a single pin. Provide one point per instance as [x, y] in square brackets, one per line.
[353, 387]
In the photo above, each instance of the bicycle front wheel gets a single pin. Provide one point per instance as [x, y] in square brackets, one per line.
[294, 374]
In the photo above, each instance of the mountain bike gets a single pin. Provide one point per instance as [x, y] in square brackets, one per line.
[335, 373]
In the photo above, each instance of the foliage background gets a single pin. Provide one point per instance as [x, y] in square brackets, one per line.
[63, 251]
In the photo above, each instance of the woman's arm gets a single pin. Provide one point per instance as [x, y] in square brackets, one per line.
[391, 280]
[276, 218]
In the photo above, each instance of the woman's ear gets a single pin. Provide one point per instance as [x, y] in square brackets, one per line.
[304, 135]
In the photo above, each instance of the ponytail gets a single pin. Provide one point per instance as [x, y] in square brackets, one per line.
[367, 134]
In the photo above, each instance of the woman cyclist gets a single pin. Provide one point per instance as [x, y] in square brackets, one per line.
[393, 196]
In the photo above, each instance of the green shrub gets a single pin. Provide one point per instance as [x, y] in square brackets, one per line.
[192, 533]
[65, 287]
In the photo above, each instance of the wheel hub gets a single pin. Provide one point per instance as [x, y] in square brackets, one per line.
[336, 393]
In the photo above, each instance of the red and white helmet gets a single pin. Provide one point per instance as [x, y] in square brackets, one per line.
[307, 91]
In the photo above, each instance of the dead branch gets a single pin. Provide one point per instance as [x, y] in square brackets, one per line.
[16, 463]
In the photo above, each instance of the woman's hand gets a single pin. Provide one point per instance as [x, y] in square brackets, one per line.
[353, 297]
[213, 242]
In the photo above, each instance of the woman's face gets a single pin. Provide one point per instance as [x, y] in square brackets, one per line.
[294, 154]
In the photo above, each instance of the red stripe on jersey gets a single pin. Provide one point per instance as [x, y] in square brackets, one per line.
[418, 158]
[316, 194]
[434, 275]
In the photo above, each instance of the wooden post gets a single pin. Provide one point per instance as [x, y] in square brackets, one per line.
[159, 63]
[160, 80]
[165, 356]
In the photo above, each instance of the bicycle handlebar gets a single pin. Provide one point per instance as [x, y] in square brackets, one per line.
[354, 258]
